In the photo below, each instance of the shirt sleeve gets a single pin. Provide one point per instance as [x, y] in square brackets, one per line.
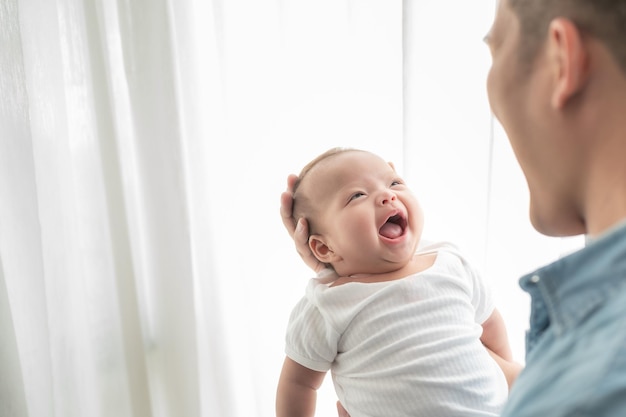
[311, 341]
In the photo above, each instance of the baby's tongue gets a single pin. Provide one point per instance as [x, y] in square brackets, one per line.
[390, 230]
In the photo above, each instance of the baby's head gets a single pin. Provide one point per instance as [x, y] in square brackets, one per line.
[303, 205]
[362, 217]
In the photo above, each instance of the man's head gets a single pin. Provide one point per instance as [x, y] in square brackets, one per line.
[362, 217]
[603, 19]
[558, 86]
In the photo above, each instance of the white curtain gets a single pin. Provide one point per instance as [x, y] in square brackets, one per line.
[144, 270]
[144, 144]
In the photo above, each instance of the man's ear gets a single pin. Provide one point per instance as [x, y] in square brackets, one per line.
[569, 59]
[320, 249]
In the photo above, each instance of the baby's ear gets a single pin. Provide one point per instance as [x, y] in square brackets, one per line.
[321, 250]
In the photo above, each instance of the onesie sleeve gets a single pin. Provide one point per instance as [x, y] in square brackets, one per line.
[480, 293]
[311, 341]
[482, 297]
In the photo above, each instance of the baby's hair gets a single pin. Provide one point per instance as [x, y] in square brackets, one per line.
[302, 205]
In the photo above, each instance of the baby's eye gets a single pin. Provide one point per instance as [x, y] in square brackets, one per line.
[396, 182]
[356, 195]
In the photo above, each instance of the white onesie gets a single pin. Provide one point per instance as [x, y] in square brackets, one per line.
[409, 347]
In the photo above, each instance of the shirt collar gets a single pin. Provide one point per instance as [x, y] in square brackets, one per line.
[564, 292]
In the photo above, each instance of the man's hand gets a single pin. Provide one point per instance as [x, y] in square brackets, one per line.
[300, 232]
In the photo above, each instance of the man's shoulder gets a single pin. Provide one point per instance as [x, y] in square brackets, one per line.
[579, 371]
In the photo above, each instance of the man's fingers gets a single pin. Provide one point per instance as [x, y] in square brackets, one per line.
[299, 231]
[301, 238]
[291, 180]
[286, 205]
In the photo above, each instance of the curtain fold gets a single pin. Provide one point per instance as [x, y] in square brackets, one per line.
[104, 192]
[12, 400]
[26, 384]
[198, 67]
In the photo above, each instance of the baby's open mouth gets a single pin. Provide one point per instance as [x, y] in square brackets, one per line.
[393, 227]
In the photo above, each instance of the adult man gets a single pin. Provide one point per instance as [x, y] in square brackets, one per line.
[558, 86]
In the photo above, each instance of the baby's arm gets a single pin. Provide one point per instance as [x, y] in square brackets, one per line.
[297, 390]
[496, 341]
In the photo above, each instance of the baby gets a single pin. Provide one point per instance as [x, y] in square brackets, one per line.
[407, 328]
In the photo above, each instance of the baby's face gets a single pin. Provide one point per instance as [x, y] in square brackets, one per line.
[368, 216]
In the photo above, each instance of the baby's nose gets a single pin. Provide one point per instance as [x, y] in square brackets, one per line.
[387, 197]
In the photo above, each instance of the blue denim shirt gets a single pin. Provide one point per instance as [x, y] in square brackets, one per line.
[576, 344]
